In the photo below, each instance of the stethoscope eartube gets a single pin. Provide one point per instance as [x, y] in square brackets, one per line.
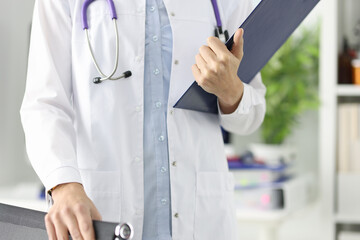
[222, 35]
[103, 77]
[124, 231]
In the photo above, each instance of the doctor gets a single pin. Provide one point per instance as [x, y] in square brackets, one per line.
[119, 151]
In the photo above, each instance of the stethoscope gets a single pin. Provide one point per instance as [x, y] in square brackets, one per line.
[86, 28]
[222, 35]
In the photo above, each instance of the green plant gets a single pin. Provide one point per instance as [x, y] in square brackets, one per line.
[291, 78]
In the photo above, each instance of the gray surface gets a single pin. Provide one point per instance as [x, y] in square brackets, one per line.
[11, 231]
[22, 216]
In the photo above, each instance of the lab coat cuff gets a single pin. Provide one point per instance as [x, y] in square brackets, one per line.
[243, 107]
[62, 175]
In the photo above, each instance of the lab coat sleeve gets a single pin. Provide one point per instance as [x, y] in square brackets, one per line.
[47, 114]
[251, 110]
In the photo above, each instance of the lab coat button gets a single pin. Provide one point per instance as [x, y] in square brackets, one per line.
[171, 112]
[176, 62]
[176, 215]
[174, 163]
[138, 211]
[138, 108]
[138, 59]
[137, 159]
[172, 14]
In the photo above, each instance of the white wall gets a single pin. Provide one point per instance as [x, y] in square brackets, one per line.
[15, 20]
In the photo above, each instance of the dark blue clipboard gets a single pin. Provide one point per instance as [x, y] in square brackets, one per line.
[265, 30]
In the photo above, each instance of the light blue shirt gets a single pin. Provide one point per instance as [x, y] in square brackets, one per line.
[158, 57]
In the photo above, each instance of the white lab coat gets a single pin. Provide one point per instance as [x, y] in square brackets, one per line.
[77, 131]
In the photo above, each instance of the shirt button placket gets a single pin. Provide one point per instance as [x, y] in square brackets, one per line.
[161, 138]
[163, 201]
[158, 104]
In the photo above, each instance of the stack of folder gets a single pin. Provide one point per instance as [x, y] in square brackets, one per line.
[258, 185]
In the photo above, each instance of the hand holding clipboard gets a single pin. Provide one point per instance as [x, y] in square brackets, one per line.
[265, 30]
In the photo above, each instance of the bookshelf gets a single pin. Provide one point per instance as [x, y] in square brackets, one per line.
[346, 219]
[331, 95]
[348, 90]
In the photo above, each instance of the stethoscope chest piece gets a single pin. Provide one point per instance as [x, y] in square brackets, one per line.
[124, 231]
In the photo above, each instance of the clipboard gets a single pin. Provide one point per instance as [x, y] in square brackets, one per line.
[265, 30]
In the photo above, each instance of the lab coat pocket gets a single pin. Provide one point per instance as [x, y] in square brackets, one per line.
[215, 212]
[104, 188]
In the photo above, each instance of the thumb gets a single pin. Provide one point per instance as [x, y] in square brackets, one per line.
[95, 215]
[237, 49]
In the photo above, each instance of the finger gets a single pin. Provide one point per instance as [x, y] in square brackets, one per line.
[50, 229]
[207, 54]
[60, 228]
[85, 222]
[237, 49]
[217, 46]
[200, 62]
[197, 74]
[71, 223]
[95, 214]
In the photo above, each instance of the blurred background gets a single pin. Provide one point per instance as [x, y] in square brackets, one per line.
[297, 177]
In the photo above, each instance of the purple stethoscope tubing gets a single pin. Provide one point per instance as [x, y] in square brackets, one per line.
[217, 13]
[114, 15]
[85, 7]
